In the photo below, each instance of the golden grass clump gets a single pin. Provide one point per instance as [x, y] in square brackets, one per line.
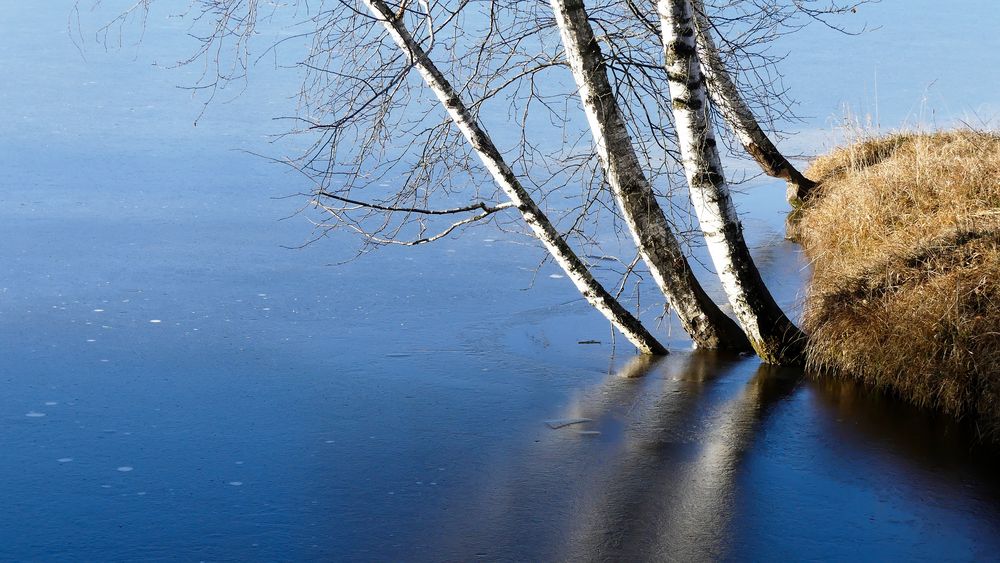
[904, 236]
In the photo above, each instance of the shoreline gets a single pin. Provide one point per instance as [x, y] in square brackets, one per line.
[904, 238]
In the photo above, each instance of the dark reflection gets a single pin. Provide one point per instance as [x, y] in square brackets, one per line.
[859, 419]
[705, 456]
[650, 470]
[529, 495]
[671, 493]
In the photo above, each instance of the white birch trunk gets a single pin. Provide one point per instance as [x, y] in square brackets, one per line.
[773, 336]
[708, 326]
[738, 116]
[575, 269]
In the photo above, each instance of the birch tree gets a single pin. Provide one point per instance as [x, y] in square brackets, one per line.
[708, 326]
[575, 269]
[775, 338]
[738, 115]
[384, 163]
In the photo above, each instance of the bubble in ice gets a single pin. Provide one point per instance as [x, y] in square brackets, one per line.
[34, 414]
[64, 459]
[91, 340]
[98, 310]
[125, 468]
[155, 321]
[236, 483]
[556, 276]
[51, 403]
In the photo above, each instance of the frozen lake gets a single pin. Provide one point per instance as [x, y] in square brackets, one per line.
[178, 384]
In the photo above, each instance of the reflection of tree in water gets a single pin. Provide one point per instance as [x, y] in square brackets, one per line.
[670, 494]
[648, 475]
[529, 496]
[872, 421]
[697, 523]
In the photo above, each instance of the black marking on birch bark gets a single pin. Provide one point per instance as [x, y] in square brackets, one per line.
[593, 48]
[708, 178]
[688, 104]
[680, 49]
[677, 78]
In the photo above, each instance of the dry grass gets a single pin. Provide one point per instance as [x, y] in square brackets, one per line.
[904, 235]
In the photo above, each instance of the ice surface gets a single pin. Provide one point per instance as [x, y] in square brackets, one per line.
[195, 401]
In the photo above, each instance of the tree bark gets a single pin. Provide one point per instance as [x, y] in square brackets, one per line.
[726, 97]
[775, 338]
[546, 232]
[708, 326]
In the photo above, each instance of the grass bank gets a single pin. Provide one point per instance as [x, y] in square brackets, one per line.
[904, 237]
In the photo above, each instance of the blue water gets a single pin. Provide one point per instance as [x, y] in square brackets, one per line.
[179, 384]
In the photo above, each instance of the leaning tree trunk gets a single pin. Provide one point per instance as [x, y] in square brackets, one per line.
[773, 336]
[708, 326]
[726, 97]
[546, 232]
